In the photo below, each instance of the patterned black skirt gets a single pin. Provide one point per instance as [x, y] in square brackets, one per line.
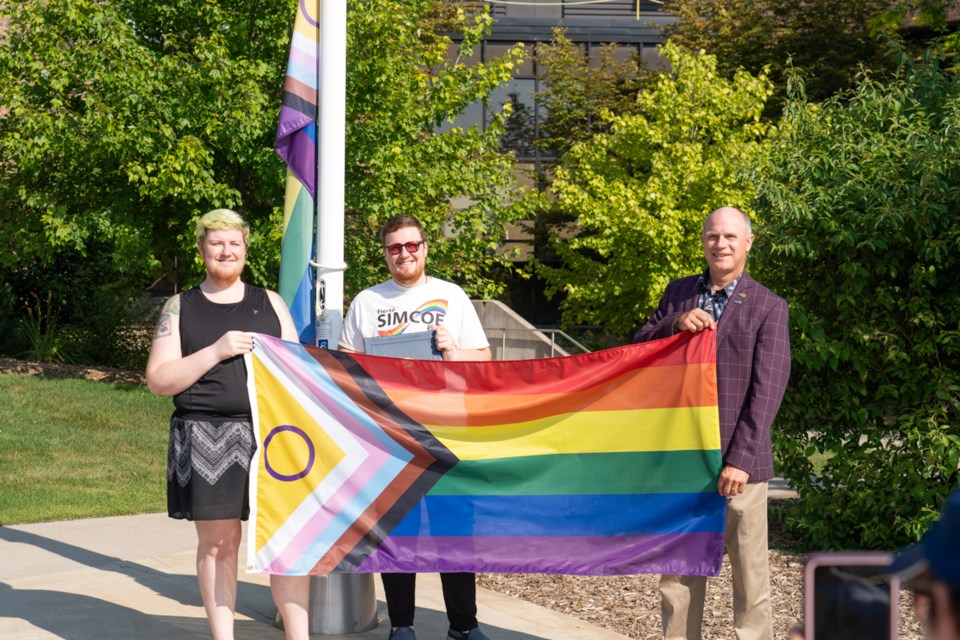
[208, 465]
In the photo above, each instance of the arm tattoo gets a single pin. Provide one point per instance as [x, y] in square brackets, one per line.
[163, 326]
[171, 308]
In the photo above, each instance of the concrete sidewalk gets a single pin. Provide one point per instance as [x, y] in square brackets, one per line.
[133, 577]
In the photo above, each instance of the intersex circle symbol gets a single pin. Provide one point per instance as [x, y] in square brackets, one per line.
[306, 9]
[266, 453]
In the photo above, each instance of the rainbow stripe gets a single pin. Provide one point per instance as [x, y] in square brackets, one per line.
[602, 463]
[297, 145]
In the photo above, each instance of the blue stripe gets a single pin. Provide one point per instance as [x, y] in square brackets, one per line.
[301, 309]
[310, 131]
[306, 75]
[347, 517]
[566, 515]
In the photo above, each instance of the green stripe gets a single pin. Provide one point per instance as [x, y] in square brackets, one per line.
[295, 246]
[635, 472]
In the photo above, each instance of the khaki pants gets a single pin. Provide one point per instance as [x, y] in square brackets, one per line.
[682, 597]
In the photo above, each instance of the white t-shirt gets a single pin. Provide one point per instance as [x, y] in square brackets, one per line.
[388, 309]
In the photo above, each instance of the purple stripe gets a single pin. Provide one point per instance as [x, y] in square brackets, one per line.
[298, 149]
[291, 121]
[697, 554]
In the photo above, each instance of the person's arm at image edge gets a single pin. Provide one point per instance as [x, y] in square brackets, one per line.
[168, 371]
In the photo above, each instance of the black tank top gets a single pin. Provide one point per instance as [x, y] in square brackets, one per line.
[221, 391]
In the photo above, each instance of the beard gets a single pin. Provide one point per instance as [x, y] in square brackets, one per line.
[408, 273]
[225, 271]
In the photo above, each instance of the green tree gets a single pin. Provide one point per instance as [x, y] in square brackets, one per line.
[123, 121]
[123, 125]
[863, 240]
[638, 194]
[577, 91]
[829, 40]
[405, 77]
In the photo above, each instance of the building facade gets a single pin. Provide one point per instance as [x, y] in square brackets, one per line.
[634, 26]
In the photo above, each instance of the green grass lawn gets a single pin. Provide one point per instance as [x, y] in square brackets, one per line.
[72, 448]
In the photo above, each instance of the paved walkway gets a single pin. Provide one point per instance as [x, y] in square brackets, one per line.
[780, 489]
[133, 577]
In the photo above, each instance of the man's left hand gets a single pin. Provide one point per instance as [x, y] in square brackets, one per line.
[732, 481]
[444, 341]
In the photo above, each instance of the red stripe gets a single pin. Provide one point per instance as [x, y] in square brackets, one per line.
[652, 388]
[544, 376]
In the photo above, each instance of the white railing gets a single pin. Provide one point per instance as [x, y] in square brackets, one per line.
[542, 341]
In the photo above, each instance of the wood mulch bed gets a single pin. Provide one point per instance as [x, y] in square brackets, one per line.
[629, 605]
[62, 370]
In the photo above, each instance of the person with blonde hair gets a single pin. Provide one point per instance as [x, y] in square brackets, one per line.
[197, 357]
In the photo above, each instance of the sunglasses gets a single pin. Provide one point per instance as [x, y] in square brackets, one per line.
[411, 247]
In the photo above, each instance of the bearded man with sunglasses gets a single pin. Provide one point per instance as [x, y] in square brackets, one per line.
[410, 302]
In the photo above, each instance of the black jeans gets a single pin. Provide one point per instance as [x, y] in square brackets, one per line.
[459, 597]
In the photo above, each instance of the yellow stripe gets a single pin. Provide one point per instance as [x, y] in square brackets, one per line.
[677, 429]
[288, 454]
[290, 195]
[302, 26]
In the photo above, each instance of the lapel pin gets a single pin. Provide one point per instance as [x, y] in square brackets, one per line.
[743, 296]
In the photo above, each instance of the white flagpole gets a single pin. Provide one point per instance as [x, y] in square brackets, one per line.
[331, 145]
[339, 603]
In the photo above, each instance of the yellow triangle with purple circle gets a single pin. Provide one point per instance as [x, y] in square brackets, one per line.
[295, 451]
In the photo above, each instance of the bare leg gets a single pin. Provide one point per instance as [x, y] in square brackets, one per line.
[217, 552]
[291, 594]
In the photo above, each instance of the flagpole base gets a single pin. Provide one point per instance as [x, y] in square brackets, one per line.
[340, 603]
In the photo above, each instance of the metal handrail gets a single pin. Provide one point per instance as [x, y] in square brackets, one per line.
[552, 332]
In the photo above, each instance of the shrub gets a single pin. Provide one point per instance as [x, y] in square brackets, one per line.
[862, 194]
[77, 308]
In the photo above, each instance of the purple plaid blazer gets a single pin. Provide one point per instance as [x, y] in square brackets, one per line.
[753, 365]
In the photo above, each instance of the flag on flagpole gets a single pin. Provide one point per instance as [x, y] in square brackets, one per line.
[297, 145]
[603, 463]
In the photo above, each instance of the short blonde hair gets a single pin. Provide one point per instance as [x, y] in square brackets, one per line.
[222, 219]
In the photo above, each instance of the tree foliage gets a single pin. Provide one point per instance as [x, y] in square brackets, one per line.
[126, 119]
[123, 121]
[829, 40]
[861, 195]
[577, 91]
[405, 76]
[638, 193]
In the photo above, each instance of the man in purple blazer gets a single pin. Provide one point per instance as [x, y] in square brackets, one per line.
[753, 365]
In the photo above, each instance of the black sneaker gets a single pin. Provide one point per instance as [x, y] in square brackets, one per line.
[473, 634]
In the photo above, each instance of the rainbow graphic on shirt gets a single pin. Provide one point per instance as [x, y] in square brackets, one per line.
[431, 312]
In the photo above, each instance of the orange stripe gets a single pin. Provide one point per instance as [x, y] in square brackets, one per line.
[653, 388]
